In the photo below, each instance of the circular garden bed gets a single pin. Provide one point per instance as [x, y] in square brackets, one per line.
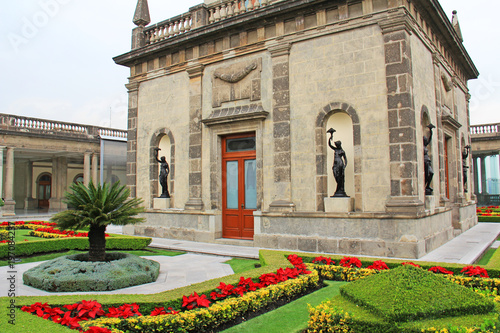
[77, 273]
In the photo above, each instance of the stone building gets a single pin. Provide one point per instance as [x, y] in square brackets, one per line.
[42, 158]
[239, 96]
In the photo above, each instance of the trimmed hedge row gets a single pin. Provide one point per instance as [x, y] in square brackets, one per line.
[218, 314]
[73, 243]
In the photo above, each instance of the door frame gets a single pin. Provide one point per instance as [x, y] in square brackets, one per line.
[239, 156]
[40, 183]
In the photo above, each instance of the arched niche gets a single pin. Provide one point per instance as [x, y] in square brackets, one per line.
[344, 119]
[163, 139]
[342, 123]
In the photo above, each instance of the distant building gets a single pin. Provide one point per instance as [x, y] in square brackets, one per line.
[42, 158]
[239, 96]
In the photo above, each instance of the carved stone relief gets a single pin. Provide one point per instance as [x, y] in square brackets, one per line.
[237, 82]
[446, 91]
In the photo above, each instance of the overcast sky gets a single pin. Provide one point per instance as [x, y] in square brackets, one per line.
[56, 57]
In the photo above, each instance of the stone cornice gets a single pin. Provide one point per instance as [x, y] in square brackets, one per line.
[450, 121]
[195, 70]
[397, 21]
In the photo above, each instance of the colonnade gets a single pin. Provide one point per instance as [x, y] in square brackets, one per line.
[59, 180]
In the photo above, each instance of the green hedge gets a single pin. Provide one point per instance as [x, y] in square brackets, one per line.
[72, 243]
[488, 218]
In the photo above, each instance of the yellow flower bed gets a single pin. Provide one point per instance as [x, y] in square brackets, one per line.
[45, 234]
[4, 234]
[339, 273]
[218, 314]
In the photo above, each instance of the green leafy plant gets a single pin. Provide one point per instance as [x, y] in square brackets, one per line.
[96, 207]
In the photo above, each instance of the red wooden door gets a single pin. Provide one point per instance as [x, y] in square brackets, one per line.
[44, 191]
[239, 186]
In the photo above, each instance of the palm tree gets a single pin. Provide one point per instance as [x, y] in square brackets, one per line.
[97, 207]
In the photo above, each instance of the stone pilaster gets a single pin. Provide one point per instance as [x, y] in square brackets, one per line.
[195, 104]
[402, 118]
[10, 204]
[86, 168]
[133, 98]
[282, 189]
[95, 169]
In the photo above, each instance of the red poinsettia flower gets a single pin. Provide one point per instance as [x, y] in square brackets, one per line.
[475, 271]
[295, 259]
[350, 262]
[440, 270]
[124, 311]
[378, 265]
[323, 260]
[222, 291]
[162, 311]
[195, 301]
[410, 263]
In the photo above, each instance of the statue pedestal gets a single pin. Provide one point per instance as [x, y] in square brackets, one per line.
[339, 205]
[430, 203]
[161, 203]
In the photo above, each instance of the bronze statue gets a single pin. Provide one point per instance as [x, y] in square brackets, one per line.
[164, 171]
[429, 173]
[339, 165]
[465, 154]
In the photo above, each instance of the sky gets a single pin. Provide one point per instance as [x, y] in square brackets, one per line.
[56, 57]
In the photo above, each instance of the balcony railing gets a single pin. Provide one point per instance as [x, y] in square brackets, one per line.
[485, 129]
[43, 126]
[218, 11]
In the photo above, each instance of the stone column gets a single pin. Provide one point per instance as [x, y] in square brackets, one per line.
[402, 118]
[59, 183]
[282, 190]
[10, 204]
[484, 184]
[86, 168]
[195, 104]
[95, 169]
[133, 98]
[476, 176]
[29, 202]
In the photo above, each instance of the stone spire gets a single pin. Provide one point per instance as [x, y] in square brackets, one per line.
[456, 25]
[141, 16]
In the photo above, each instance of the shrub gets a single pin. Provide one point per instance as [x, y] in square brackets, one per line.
[78, 273]
[408, 293]
[77, 243]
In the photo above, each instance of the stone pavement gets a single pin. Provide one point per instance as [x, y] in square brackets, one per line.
[175, 272]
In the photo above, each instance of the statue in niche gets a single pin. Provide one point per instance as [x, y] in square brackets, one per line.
[429, 173]
[164, 171]
[339, 165]
[465, 154]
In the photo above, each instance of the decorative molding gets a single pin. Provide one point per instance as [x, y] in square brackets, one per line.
[446, 82]
[450, 121]
[240, 113]
[399, 21]
[236, 77]
[280, 49]
[195, 71]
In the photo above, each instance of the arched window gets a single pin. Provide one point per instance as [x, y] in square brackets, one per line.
[78, 178]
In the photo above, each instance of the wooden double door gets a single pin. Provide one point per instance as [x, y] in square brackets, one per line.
[239, 186]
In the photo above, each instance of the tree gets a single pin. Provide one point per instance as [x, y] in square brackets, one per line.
[96, 208]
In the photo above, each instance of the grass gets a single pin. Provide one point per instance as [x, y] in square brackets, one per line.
[296, 313]
[49, 256]
[485, 258]
[242, 265]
